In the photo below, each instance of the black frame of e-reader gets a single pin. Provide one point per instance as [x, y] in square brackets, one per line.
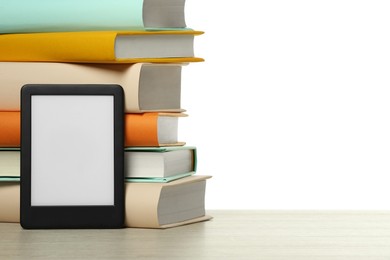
[84, 216]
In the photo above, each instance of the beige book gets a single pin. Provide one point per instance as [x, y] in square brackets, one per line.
[148, 87]
[9, 202]
[148, 205]
[164, 205]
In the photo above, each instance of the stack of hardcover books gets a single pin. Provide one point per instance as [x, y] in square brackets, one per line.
[141, 45]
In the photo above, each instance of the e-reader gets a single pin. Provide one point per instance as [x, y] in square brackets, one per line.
[72, 156]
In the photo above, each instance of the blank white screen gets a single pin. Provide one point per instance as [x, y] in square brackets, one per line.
[72, 150]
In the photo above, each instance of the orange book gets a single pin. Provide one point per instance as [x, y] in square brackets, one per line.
[9, 129]
[147, 129]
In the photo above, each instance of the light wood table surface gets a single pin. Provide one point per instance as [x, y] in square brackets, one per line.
[276, 235]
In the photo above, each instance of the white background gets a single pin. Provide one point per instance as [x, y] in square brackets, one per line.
[291, 108]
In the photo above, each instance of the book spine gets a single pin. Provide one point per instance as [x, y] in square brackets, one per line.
[141, 129]
[9, 202]
[61, 47]
[56, 16]
[9, 129]
[14, 75]
[142, 212]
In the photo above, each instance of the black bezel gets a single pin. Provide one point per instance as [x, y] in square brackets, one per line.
[71, 216]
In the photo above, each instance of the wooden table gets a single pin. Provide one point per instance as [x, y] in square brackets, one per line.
[261, 235]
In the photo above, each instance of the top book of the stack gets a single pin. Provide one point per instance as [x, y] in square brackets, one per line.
[25, 16]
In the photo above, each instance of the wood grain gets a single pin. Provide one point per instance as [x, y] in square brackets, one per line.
[262, 235]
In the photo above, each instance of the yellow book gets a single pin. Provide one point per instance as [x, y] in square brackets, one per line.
[100, 46]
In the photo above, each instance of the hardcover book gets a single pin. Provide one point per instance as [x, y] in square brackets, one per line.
[20, 16]
[159, 162]
[152, 129]
[146, 129]
[147, 205]
[140, 163]
[100, 46]
[148, 87]
[165, 205]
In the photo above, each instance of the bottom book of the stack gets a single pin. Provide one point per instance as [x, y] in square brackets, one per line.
[148, 205]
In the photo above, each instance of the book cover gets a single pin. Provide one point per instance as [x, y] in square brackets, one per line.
[148, 87]
[100, 46]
